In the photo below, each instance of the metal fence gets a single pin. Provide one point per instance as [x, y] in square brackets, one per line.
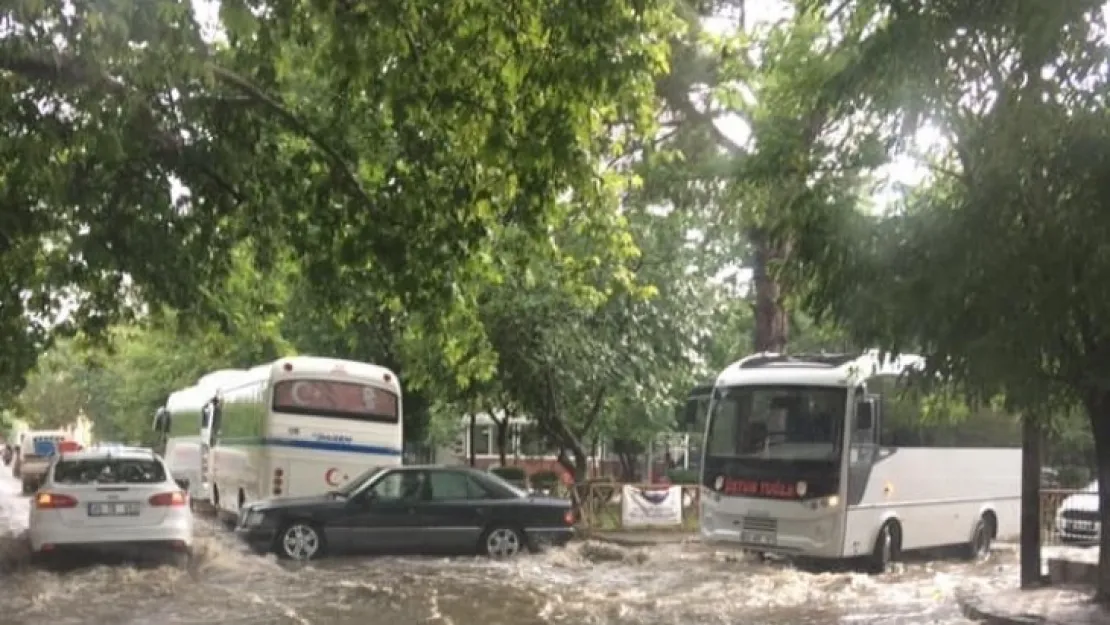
[1068, 517]
[599, 505]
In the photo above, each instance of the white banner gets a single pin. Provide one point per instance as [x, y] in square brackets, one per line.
[661, 505]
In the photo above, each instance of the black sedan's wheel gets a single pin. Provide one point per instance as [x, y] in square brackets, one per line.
[299, 540]
[502, 542]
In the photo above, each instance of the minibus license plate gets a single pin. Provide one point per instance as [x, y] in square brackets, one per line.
[114, 509]
[758, 538]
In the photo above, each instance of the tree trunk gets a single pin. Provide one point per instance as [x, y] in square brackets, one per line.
[628, 466]
[1031, 438]
[470, 437]
[772, 327]
[1098, 411]
[575, 462]
[502, 439]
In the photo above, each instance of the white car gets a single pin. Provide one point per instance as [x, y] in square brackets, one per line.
[1077, 520]
[111, 501]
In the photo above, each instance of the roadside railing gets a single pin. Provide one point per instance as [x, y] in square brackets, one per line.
[617, 506]
[601, 507]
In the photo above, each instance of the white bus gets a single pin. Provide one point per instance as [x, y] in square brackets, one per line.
[302, 426]
[181, 426]
[826, 457]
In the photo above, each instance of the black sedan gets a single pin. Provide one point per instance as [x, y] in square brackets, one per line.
[412, 509]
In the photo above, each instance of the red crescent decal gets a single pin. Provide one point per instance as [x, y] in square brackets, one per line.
[329, 477]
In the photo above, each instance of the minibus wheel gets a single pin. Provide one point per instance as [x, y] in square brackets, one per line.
[887, 545]
[979, 549]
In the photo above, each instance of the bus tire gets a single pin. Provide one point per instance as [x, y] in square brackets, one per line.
[887, 545]
[979, 549]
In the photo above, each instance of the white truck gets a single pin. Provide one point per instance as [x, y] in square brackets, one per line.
[301, 426]
[36, 450]
[825, 457]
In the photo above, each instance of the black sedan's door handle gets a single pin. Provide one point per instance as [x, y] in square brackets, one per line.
[412, 510]
[480, 511]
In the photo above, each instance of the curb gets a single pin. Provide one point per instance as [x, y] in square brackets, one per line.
[629, 541]
[973, 609]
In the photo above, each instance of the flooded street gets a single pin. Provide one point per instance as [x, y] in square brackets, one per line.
[587, 583]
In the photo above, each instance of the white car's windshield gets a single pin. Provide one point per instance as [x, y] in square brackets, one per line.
[109, 471]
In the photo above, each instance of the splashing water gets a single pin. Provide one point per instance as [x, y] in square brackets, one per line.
[588, 583]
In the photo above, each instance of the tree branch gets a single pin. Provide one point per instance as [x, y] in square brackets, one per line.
[73, 72]
[296, 124]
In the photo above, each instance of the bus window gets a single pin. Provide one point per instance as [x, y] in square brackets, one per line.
[951, 423]
[331, 398]
[777, 423]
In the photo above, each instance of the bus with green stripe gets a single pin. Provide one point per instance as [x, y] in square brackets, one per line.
[180, 426]
[301, 426]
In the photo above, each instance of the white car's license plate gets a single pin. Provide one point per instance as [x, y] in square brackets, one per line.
[759, 538]
[127, 508]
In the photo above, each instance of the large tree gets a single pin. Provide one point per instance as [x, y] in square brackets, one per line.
[382, 141]
[992, 270]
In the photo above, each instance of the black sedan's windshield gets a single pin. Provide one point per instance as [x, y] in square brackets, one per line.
[500, 484]
[351, 486]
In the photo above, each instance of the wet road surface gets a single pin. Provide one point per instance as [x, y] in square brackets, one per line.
[584, 584]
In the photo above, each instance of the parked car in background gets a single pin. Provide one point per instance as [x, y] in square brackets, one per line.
[1077, 520]
[412, 509]
[36, 451]
[111, 502]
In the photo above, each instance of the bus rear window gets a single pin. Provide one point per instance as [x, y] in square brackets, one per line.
[330, 398]
[110, 471]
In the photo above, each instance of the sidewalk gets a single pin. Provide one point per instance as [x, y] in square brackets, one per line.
[1066, 602]
[1042, 606]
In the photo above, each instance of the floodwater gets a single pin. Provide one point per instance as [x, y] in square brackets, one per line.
[584, 584]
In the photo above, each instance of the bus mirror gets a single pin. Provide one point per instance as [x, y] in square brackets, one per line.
[161, 421]
[865, 418]
[215, 413]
